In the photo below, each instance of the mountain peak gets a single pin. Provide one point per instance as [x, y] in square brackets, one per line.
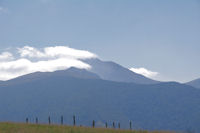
[70, 72]
[109, 70]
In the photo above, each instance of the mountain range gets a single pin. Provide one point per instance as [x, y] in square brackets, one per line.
[107, 92]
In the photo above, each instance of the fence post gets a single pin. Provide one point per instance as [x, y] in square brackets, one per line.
[74, 120]
[113, 124]
[119, 125]
[36, 120]
[49, 119]
[130, 124]
[93, 123]
[106, 125]
[27, 120]
[61, 120]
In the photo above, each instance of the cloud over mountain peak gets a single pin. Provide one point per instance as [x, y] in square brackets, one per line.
[55, 52]
[48, 59]
[145, 72]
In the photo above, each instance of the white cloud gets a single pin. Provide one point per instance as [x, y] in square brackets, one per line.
[48, 59]
[6, 56]
[55, 52]
[144, 72]
[62, 51]
[28, 51]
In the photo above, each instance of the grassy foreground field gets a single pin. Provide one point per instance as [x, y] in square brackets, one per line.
[33, 128]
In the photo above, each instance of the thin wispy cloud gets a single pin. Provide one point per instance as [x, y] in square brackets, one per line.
[48, 59]
[5, 56]
[46, 1]
[145, 72]
[3, 10]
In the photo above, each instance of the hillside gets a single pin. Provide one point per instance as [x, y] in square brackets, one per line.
[112, 71]
[195, 83]
[33, 128]
[164, 106]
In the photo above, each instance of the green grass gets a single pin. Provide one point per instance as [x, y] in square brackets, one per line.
[7, 127]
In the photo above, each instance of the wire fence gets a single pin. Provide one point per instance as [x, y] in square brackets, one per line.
[115, 125]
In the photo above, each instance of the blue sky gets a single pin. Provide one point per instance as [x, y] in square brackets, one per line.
[161, 36]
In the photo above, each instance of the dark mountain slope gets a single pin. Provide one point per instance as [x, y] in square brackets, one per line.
[164, 106]
[71, 72]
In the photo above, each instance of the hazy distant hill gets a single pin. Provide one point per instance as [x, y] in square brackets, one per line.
[108, 70]
[163, 106]
[194, 83]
